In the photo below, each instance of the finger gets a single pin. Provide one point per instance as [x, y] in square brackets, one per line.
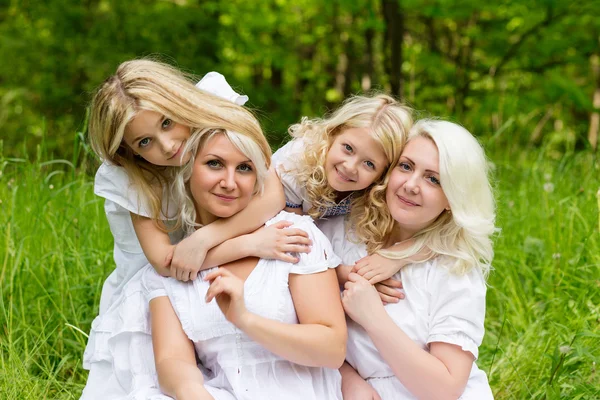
[194, 275]
[216, 287]
[217, 272]
[185, 276]
[179, 274]
[355, 268]
[296, 232]
[295, 248]
[354, 277]
[375, 279]
[287, 258]
[368, 275]
[387, 299]
[283, 224]
[348, 285]
[392, 283]
[298, 240]
[388, 291]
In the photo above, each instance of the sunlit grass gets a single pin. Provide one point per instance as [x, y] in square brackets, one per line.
[543, 314]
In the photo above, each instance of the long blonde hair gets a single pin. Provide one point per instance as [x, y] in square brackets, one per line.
[388, 122]
[151, 85]
[465, 233]
[251, 144]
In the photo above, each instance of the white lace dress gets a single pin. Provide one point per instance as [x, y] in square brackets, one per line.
[236, 367]
[439, 307]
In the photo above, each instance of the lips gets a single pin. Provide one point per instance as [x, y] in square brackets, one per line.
[177, 152]
[404, 200]
[343, 176]
[225, 197]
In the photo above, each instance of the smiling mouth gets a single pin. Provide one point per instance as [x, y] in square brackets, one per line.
[224, 197]
[343, 176]
[407, 202]
[177, 152]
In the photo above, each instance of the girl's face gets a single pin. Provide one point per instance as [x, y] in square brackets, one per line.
[157, 139]
[222, 181]
[354, 160]
[414, 195]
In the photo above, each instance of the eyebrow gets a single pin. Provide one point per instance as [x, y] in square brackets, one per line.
[221, 158]
[427, 170]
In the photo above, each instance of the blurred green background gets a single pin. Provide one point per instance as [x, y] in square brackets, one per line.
[524, 76]
[525, 71]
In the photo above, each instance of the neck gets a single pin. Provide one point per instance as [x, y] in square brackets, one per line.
[399, 234]
[203, 217]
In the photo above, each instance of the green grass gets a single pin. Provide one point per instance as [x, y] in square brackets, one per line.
[543, 315]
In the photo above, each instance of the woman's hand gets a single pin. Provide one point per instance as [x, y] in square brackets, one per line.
[228, 290]
[389, 291]
[376, 268]
[359, 390]
[188, 256]
[361, 301]
[276, 242]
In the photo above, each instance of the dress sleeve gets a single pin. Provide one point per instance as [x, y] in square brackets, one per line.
[457, 309]
[285, 161]
[321, 256]
[153, 285]
[113, 184]
[342, 241]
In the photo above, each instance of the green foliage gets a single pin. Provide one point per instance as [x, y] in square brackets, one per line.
[480, 63]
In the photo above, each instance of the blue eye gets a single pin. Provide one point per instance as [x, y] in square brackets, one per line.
[434, 180]
[348, 148]
[245, 168]
[144, 142]
[370, 164]
[167, 123]
[404, 166]
[214, 164]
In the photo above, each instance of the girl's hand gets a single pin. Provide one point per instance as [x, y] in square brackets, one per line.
[376, 268]
[361, 301]
[188, 256]
[276, 242]
[228, 290]
[389, 291]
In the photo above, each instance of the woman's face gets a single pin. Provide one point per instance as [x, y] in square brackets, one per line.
[222, 181]
[414, 195]
[157, 139]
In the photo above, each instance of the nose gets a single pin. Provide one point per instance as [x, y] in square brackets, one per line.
[228, 179]
[167, 145]
[352, 165]
[412, 184]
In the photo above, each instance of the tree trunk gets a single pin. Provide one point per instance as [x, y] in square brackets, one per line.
[367, 78]
[394, 31]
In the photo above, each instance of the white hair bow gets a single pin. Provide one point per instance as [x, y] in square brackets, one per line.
[215, 83]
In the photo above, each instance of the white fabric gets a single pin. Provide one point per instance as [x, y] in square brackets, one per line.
[439, 307]
[285, 160]
[236, 364]
[215, 83]
[116, 328]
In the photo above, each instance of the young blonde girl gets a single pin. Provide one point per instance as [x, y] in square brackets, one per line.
[140, 120]
[333, 164]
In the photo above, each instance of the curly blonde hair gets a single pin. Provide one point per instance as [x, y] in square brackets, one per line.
[465, 233]
[155, 86]
[388, 122]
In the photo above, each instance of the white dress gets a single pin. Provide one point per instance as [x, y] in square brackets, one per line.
[237, 367]
[439, 307]
[116, 332]
[285, 160]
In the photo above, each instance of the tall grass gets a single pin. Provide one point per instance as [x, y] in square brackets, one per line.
[543, 314]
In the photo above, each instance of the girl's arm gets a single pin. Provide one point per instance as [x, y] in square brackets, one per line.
[178, 374]
[320, 338]
[190, 253]
[441, 373]
[184, 260]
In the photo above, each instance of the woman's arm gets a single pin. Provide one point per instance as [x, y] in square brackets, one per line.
[178, 374]
[441, 373]
[320, 338]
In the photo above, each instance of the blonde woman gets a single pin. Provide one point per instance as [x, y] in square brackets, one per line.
[140, 121]
[275, 329]
[438, 197]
